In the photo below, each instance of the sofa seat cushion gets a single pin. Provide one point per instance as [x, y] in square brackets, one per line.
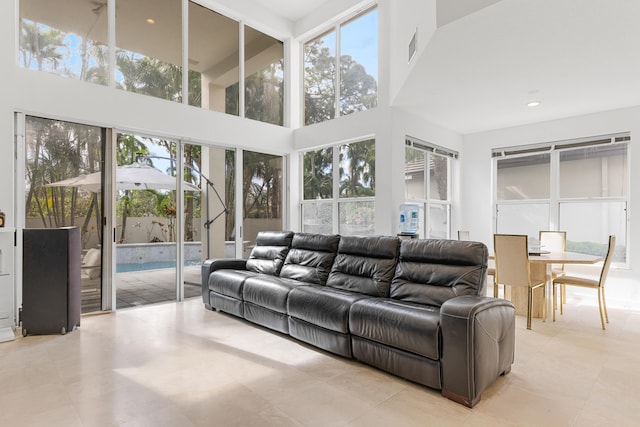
[411, 327]
[322, 306]
[269, 291]
[229, 282]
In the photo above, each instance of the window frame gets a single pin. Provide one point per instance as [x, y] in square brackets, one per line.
[335, 28]
[555, 201]
[336, 200]
[428, 202]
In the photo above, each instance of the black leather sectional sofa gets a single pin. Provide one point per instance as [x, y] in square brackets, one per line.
[414, 308]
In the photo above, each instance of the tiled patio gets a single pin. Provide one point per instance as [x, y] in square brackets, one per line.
[144, 287]
[153, 286]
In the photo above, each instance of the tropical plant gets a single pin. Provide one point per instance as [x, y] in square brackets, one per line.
[357, 179]
[318, 174]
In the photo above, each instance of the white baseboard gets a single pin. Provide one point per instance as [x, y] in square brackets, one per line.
[6, 334]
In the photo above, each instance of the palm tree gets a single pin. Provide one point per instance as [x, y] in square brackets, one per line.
[40, 44]
[358, 179]
[318, 170]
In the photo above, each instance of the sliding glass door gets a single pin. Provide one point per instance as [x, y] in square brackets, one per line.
[63, 187]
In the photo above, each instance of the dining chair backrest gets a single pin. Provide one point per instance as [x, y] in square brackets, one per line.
[607, 259]
[512, 259]
[463, 235]
[554, 241]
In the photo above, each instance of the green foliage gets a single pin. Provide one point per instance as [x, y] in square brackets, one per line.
[318, 174]
[358, 89]
[358, 178]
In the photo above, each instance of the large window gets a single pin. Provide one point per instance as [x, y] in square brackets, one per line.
[339, 189]
[71, 38]
[149, 48]
[264, 81]
[341, 69]
[214, 58]
[580, 187]
[61, 38]
[428, 185]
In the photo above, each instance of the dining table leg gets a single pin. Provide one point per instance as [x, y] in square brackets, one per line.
[519, 295]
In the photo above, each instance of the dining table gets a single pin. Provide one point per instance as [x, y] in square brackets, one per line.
[540, 267]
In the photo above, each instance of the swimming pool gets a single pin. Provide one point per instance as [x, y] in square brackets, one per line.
[151, 265]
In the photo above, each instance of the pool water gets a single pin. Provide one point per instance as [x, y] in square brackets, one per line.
[151, 265]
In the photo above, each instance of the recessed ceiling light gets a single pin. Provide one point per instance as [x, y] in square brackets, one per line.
[533, 103]
[151, 21]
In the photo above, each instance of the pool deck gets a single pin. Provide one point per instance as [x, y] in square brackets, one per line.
[138, 288]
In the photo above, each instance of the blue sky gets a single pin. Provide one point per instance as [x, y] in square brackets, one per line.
[359, 39]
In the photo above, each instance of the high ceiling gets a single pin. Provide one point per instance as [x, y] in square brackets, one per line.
[489, 58]
[486, 61]
[574, 56]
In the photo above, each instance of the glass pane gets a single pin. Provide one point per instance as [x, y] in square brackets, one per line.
[357, 218]
[149, 47]
[64, 183]
[358, 169]
[359, 64]
[589, 224]
[414, 176]
[215, 170]
[319, 79]
[438, 221]
[318, 174]
[594, 172]
[214, 60]
[230, 202]
[193, 224]
[317, 217]
[438, 177]
[145, 221]
[524, 178]
[523, 218]
[262, 195]
[65, 38]
[264, 84]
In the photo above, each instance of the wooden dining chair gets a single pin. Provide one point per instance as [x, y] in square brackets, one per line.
[512, 267]
[589, 283]
[463, 235]
[555, 241]
[491, 271]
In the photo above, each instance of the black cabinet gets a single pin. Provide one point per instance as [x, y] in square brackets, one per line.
[50, 280]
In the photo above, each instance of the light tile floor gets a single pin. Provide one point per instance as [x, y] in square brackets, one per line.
[177, 364]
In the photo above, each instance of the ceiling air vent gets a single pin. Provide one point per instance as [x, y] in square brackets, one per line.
[413, 45]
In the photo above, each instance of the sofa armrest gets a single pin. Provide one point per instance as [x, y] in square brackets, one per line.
[211, 265]
[478, 342]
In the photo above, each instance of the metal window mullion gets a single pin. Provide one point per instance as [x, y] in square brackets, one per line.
[241, 70]
[179, 222]
[337, 79]
[554, 191]
[111, 42]
[185, 52]
[238, 202]
[336, 188]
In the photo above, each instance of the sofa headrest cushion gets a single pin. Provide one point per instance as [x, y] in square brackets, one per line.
[365, 265]
[384, 247]
[432, 271]
[310, 257]
[268, 255]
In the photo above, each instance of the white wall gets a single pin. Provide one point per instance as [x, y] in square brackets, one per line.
[406, 17]
[476, 165]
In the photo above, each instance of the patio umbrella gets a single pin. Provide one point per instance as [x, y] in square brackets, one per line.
[129, 177]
